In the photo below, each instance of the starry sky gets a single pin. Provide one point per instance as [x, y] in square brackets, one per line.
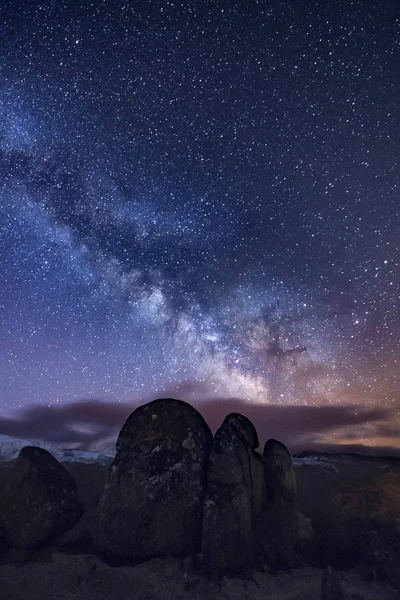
[201, 199]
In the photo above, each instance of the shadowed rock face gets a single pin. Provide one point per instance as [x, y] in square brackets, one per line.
[244, 428]
[279, 513]
[39, 501]
[280, 478]
[153, 498]
[233, 499]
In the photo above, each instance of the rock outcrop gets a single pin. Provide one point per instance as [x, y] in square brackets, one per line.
[279, 521]
[175, 496]
[234, 498]
[153, 499]
[39, 501]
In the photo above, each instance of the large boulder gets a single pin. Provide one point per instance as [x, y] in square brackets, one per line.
[234, 498]
[280, 519]
[153, 499]
[39, 501]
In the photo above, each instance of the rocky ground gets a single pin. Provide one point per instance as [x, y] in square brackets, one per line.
[84, 577]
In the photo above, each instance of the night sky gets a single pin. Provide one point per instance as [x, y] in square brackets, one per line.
[200, 199]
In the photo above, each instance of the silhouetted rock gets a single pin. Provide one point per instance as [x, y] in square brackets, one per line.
[234, 497]
[331, 587]
[279, 518]
[153, 498]
[39, 501]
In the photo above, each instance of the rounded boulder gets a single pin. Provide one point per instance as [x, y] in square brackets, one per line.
[39, 501]
[280, 508]
[233, 499]
[153, 498]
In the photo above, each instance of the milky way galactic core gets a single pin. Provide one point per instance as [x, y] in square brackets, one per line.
[199, 197]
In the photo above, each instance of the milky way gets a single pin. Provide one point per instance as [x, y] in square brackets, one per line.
[199, 196]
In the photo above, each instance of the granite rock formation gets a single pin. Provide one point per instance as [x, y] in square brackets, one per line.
[234, 498]
[279, 518]
[39, 501]
[153, 500]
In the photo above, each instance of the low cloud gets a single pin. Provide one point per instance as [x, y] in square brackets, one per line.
[301, 427]
[84, 424]
[91, 423]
